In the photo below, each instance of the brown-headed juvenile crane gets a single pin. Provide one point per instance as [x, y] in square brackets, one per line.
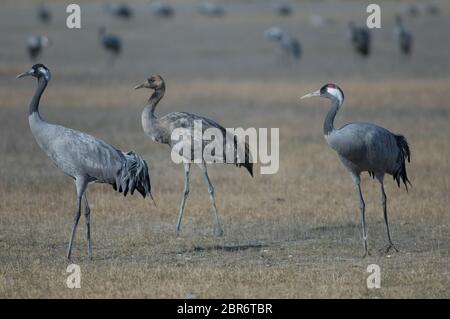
[83, 157]
[161, 130]
[365, 147]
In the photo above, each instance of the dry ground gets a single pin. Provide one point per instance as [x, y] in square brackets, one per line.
[293, 234]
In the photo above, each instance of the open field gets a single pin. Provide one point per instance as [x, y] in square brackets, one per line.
[294, 234]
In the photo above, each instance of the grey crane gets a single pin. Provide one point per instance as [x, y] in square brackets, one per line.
[365, 147]
[119, 10]
[161, 129]
[211, 9]
[432, 9]
[411, 9]
[288, 44]
[162, 10]
[111, 43]
[84, 158]
[404, 37]
[360, 39]
[282, 9]
[36, 45]
[44, 14]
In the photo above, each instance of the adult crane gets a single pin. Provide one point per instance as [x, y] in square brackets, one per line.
[84, 158]
[161, 130]
[365, 147]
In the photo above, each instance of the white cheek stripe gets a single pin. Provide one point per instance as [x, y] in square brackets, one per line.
[336, 93]
[44, 72]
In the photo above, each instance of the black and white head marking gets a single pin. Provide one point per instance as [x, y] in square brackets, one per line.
[332, 91]
[44, 73]
[41, 70]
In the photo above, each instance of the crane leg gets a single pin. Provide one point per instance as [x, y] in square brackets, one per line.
[362, 207]
[384, 202]
[81, 188]
[187, 167]
[217, 226]
[87, 214]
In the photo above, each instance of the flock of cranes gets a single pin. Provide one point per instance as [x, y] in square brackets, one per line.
[360, 36]
[361, 147]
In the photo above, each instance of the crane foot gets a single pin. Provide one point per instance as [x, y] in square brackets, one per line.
[388, 248]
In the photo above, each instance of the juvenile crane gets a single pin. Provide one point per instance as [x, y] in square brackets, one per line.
[161, 129]
[365, 147]
[84, 158]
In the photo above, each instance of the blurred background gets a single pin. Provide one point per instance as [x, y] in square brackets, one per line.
[242, 63]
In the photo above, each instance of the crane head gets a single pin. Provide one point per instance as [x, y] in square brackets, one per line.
[329, 91]
[155, 82]
[37, 71]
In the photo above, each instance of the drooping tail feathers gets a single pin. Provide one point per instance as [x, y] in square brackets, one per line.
[400, 172]
[133, 175]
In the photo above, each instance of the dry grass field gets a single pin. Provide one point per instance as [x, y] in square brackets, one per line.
[295, 234]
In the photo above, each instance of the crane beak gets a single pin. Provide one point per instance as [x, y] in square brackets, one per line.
[313, 94]
[21, 75]
[140, 86]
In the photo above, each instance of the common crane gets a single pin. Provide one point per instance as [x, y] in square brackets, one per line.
[365, 147]
[84, 158]
[161, 129]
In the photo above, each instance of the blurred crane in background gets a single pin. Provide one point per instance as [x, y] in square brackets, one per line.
[119, 10]
[403, 37]
[44, 14]
[211, 9]
[162, 10]
[282, 9]
[36, 45]
[290, 46]
[360, 39]
[111, 43]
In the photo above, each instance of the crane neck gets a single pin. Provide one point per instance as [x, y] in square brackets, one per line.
[328, 125]
[34, 105]
[153, 101]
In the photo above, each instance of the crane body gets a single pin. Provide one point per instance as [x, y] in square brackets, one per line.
[84, 158]
[365, 147]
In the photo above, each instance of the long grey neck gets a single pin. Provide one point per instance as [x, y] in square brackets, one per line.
[34, 105]
[153, 102]
[328, 125]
